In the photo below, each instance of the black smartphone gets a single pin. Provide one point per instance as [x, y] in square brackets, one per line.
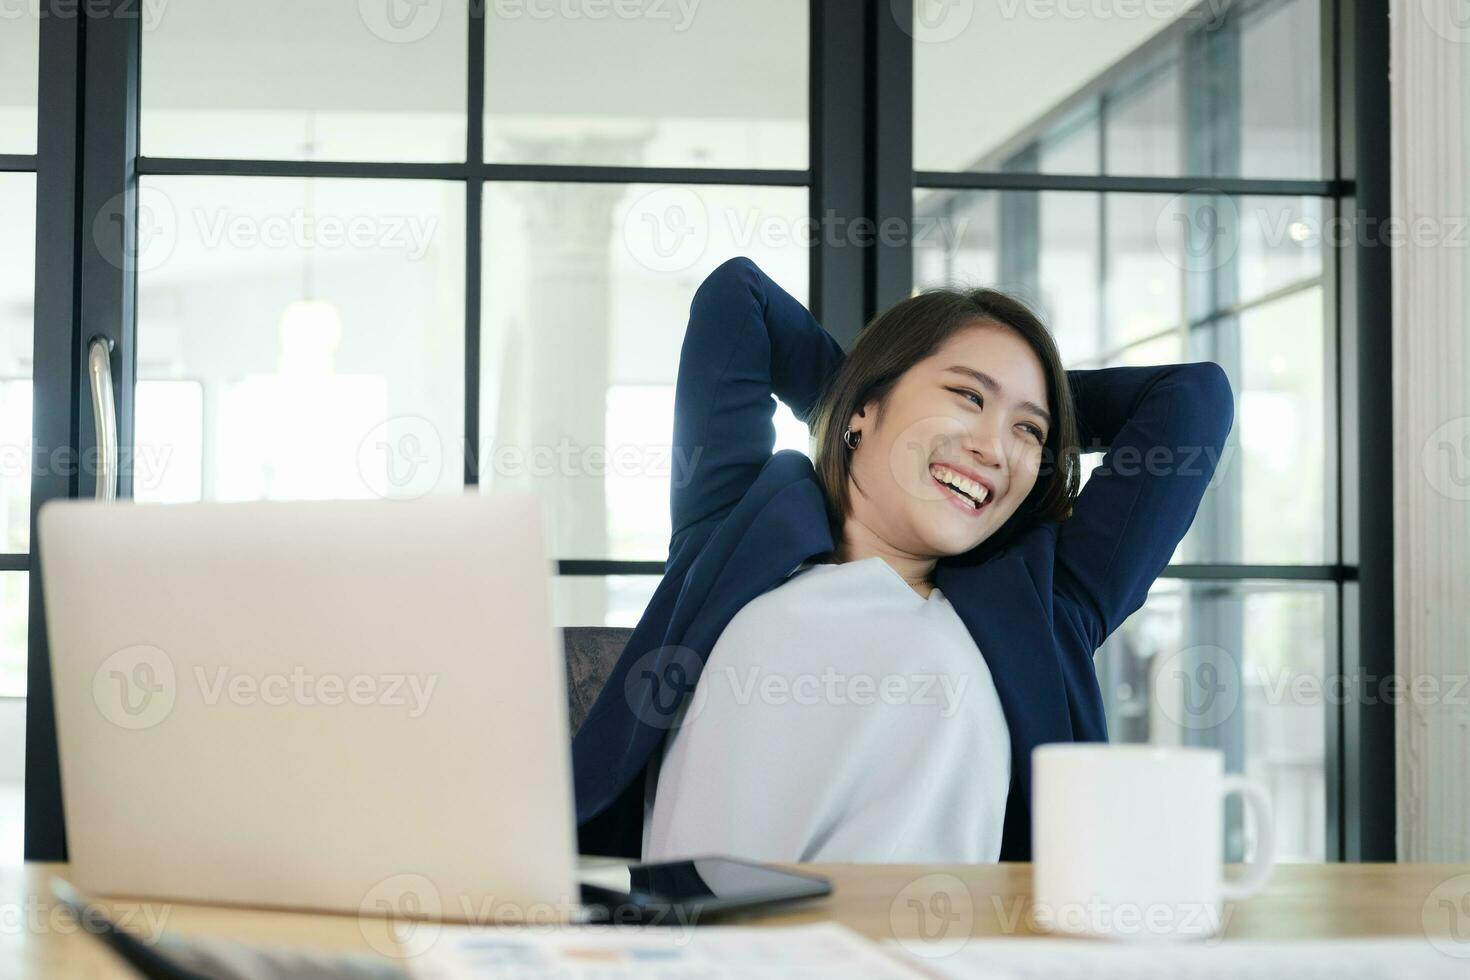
[688, 892]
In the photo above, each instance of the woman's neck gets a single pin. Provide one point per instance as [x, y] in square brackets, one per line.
[859, 542]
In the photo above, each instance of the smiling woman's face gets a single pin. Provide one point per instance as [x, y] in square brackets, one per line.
[969, 421]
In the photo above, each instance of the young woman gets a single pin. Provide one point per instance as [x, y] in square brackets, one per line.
[851, 658]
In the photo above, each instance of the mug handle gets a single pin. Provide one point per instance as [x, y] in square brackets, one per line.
[1258, 871]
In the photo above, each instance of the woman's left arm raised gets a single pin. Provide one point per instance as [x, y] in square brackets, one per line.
[1164, 430]
[747, 339]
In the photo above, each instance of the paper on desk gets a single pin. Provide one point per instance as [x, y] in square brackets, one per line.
[657, 953]
[1065, 959]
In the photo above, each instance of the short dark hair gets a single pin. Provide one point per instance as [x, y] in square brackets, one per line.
[907, 333]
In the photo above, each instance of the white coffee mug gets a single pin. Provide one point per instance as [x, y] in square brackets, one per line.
[1126, 840]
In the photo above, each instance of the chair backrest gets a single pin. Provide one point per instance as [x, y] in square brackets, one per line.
[591, 653]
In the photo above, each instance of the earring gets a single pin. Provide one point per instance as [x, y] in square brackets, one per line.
[851, 438]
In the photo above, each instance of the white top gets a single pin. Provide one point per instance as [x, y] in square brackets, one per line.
[841, 716]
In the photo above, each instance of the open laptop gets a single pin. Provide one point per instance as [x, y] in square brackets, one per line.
[355, 706]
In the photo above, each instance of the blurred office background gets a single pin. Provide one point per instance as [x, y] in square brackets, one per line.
[334, 299]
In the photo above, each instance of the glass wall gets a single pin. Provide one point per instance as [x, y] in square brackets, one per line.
[1134, 277]
[388, 250]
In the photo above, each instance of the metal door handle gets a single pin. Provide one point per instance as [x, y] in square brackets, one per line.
[104, 414]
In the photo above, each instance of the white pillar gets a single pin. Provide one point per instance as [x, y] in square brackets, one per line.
[1430, 69]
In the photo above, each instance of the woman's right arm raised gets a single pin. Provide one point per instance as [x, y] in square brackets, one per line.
[747, 339]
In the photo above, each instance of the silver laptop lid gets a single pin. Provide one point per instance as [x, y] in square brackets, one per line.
[354, 705]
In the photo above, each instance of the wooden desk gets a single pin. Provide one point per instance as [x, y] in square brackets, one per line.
[38, 940]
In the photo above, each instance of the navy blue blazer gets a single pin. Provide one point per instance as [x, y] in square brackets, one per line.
[744, 518]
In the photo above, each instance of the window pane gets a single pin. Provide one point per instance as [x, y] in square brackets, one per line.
[1239, 666]
[20, 39]
[281, 79]
[1144, 123]
[1185, 89]
[1051, 259]
[12, 781]
[587, 292]
[169, 467]
[1245, 272]
[1072, 146]
[17, 327]
[14, 604]
[677, 84]
[1281, 90]
[15, 598]
[1282, 428]
[1146, 279]
[1281, 241]
[299, 338]
[963, 250]
[1267, 503]
[600, 600]
[1194, 257]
